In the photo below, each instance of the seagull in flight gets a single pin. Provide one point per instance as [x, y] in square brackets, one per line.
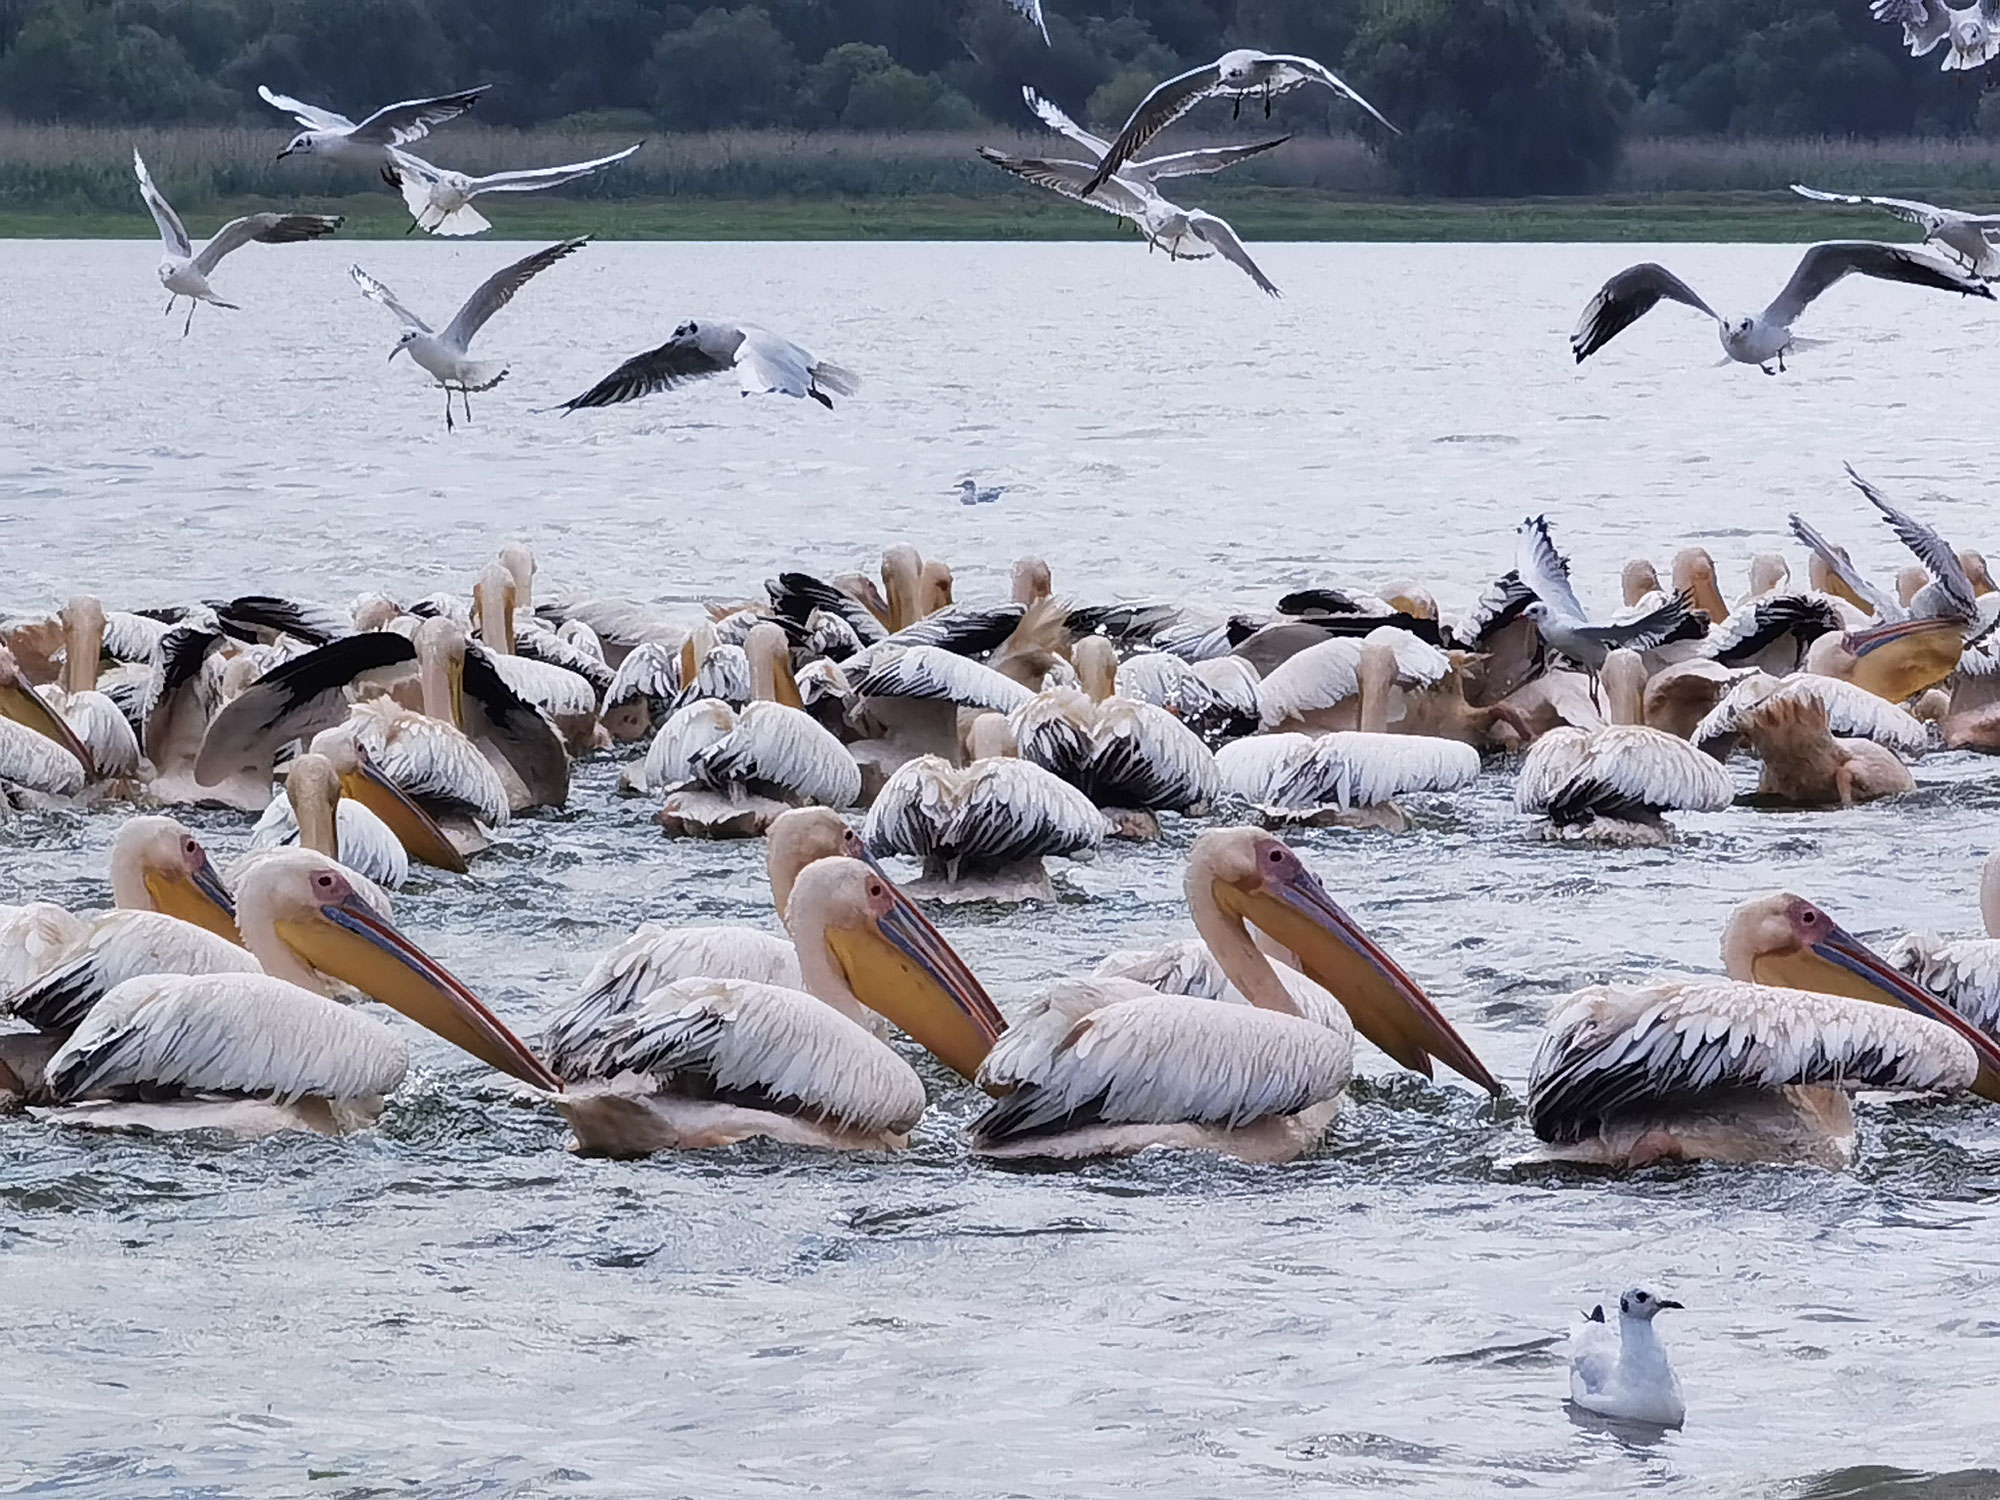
[1239, 75]
[1184, 233]
[440, 200]
[366, 145]
[1153, 168]
[1032, 9]
[1950, 594]
[1964, 237]
[185, 274]
[1767, 336]
[1973, 30]
[1626, 1375]
[444, 354]
[1559, 615]
[765, 364]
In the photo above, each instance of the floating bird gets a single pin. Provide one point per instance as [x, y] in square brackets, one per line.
[185, 274]
[100, 727]
[1963, 972]
[970, 492]
[440, 200]
[311, 812]
[1767, 336]
[765, 364]
[1972, 30]
[1236, 76]
[1151, 169]
[1626, 1375]
[368, 144]
[1961, 235]
[1823, 742]
[444, 354]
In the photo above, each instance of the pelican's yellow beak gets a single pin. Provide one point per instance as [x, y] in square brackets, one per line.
[1899, 661]
[1829, 960]
[352, 941]
[900, 966]
[195, 895]
[25, 707]
[1384, 1003]
[416, 830]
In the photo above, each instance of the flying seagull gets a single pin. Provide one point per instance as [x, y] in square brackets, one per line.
[1625, 1375]
[1239, 75]
[1960, 235]
[1153, 168]
[1184, 233]
[444, 354]
[367, 145]
[1559, 615]
[764, 363]
[440, 200]
[1759, 340]
[185, 274]
[1973, 30]
[1032, 9]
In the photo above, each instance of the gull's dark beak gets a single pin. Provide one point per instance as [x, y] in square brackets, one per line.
[1679, 1307]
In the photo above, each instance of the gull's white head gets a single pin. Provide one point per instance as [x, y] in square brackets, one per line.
[1642, 1304]
[305, 143]
[1538, 611]
[409, 337]
[1236, 66]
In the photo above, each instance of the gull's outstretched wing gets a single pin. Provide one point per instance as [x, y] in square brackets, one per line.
[498, 290]
[309, 115]
[1624, 300]
[1052, 115]
[1192, 163]
[411, 119]
[1117, 196]
[1823, 265]
[1216, 232]
[1159, 109]
[1544, 569]
[1926, 216]
[1925, 23]
[264, 229]
[1932, 550]
[674, 363]
[1320, 73]
[530, 179]
[172, 235]
[1032, 9]
[1884, 603]
[374, 291]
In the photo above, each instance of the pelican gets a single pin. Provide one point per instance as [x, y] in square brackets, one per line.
[1963, 972]
[1774, 631]
[1109, 1067]
[1895, 661]
[39, 751]
[96, 720]
[1754, 1067]
[312, 812]
[257, 1053]
[708, 1062]
[1131, 758]
[1823, 742]
[1612, 784]
[1320, 688]
[568, 698]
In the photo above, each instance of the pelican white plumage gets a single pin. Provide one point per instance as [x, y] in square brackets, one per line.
[1322, 687]
[1963, 972]
[1767, 336]
[1123, 754]
[707, 1062]
[1108, 1067]
[1822, 742]
[1972, 30]
[99, 725]
[1965, 237]
[311, 812]
[368, 144]
[1757, 1066]
[444, 355]
[440, 200]
[765, 364]
[185, 274]
[564, 695]
[1627, 1375]
[255, 1053]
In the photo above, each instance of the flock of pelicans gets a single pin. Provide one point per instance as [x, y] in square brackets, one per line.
[981, 739]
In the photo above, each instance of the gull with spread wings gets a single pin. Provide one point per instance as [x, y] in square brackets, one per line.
[440, 200]
[185, 274]
[1962, 236]
[1972, 30]
[444, 354]
[1767, 336]
[1153, 168]
[765, 364]
[366, 145]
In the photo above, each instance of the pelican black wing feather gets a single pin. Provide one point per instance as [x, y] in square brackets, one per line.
[794, 596]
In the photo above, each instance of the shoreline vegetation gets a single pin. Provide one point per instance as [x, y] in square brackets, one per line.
[76, 182]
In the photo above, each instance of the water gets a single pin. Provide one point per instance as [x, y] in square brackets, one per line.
[453, 1306]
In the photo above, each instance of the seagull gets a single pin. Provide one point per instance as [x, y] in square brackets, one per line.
[1032, 9]
[1634, 292]
[1559, 615]
[440, 200]
[444, 354]
[1153, 168]
[969, 493]
[764, 363]
[1237, 76]
[1973, 30]
[1184, 233]
[1960, 235]
[366, 145]
[1626, 1375]
[185, 274]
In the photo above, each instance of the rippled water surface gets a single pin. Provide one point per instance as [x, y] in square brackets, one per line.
[452, 1305]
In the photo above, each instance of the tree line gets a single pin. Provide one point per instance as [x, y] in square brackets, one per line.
[1495, 96]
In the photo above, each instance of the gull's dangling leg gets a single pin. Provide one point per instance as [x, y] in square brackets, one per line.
[1767, 369]
[1267, 101]
[171, 300]
[447, 406]
[465, 400]
[190, 318]
[1235, 106]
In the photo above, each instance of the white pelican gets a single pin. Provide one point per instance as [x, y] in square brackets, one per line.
[1627, 1375]
[1131, 758]
[708, 1062]
[1739, 1069]
[568, 698]
[1895, 661]
[1964, 972]
[1613, 784]
[339, 139]
[1773, 631]
[765, 364]
[96, 720]
[440, 200]
[641, 691]
[312, 812]
[39, 751]
[257, 1053]
[1320, 688]
[1822, 742]
[910, 701]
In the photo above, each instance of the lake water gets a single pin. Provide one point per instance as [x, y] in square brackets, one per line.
[453, 1306]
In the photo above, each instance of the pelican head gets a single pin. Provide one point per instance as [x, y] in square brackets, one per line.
[21, 703]
[1782, 939]
[360, 778]
[802, 836]
[409, 337]
[1643, 1305]
[1252, 876]
[934, 586]
[493, 602]
[1408, 597]
[854, 926]
[1032, 580]
[312, 786]
[518, 558]
[1096, 661]
[1694, 574]
[304, 921]
[441, 645]
[83, 641]
[1896, 661]
[157, 865]
[1768, 572]
[1910, 581]
[1974, 564]
[1638, 579]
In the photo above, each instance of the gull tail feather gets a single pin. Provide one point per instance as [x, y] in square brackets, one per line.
[834, 378]
[482, 377]
[462, 220]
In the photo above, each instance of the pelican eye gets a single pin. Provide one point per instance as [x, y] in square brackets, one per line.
[325, 881]
[874, 888]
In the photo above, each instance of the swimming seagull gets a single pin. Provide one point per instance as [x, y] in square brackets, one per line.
[1961, 235]
[185, 274]
[970, 493]
[1184, 233]
[764, 363]
[1973, 30]
[1239, 75]
[339, 139]
[440, 200]
[444, 354]
[1153, 168]
[1559, 615]
[1626, 1375]
[1635, 291]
